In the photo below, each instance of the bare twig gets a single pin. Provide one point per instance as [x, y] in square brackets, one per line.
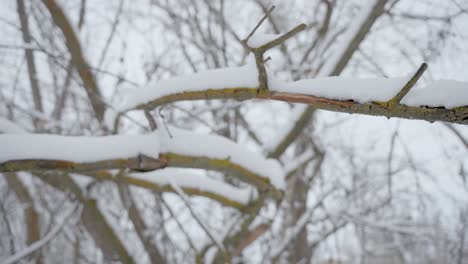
[283, 38]
[151, 121]
[218, 243]
[260, 51]
[267, 13]
[82, 66]
[399, 96]
[37, 98]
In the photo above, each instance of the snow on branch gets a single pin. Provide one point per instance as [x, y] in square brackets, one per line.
[148, 152]
[191, 181]
[442, 100]
[391, 97]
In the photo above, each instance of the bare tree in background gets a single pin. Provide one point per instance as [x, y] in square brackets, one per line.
[359, 189]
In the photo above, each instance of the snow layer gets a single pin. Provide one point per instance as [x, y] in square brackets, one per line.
[77, 149]
[212, 146]
[343, 88]
[245, 76]
[446, 93]
[89, 149]
[442, 93]
[259, 39]
[189, 178]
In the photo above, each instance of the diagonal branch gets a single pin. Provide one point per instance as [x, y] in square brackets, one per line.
[92, 218]
[267, 13]
[278, 41]
[139, 224]
[29, 53]
[77, 56]
[30, 213]
[40, 243]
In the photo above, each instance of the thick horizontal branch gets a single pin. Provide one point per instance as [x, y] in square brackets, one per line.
[141, 163]
[151, 153]
[457, 115]
[98, 171]
[145, 163]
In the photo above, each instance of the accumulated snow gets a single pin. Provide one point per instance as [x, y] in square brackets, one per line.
[190, 178]
[76, 149]
[212, 146]
[245, 76]
[344, 88]
[444, 93]
[441, 93]
[91, 149]
[260, 39]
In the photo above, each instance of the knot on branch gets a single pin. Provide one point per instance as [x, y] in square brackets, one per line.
[259, 51]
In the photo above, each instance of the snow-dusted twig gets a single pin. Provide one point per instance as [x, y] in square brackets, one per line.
[291, 233]
[213, 238]
[40, 243]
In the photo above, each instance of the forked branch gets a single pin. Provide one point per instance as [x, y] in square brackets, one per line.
[259, 52]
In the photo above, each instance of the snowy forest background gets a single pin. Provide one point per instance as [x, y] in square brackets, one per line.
[359, 189]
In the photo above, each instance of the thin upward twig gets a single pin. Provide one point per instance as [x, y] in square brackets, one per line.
[399, 96]
[267, 13]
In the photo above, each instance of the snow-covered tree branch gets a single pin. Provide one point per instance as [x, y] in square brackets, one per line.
[221, 131]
